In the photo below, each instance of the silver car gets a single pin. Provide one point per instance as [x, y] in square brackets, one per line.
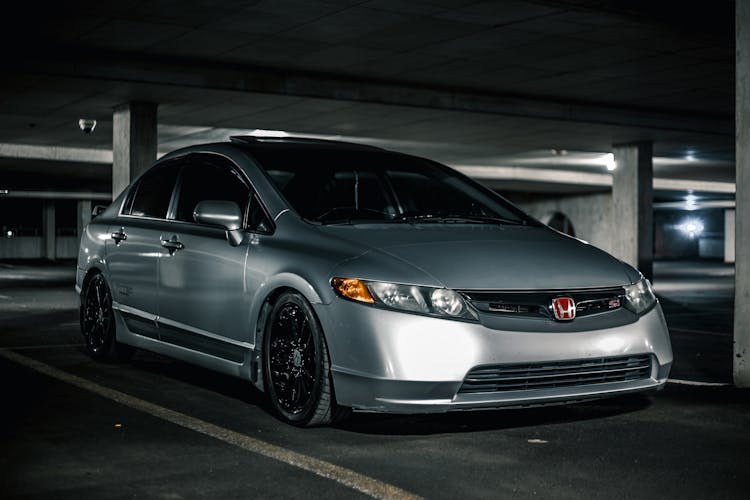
[337, 276]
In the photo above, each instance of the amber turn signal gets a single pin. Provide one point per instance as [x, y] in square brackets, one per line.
[352, 289]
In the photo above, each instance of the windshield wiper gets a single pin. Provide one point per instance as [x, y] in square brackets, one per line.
[345, 215]
[456, 219]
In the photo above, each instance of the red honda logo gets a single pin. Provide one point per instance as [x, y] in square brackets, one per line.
[564, 308]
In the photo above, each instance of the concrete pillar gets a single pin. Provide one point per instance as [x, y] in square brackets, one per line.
[742, 214]
[49, 242]
[133, 142]
[729, 236]
[83, 216]
[632, 202]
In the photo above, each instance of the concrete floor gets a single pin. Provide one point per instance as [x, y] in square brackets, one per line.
[60, 440]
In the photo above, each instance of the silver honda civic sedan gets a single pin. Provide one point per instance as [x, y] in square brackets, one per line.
[338, 277]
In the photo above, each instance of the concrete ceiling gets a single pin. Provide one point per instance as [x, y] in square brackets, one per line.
[465, 82]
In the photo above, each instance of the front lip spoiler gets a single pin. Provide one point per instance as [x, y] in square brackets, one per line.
[515, 399]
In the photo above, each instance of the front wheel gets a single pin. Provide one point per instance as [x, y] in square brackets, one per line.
[297, 365]
[98, 322]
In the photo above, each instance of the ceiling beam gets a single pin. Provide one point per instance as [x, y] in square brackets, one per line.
[55, 195]
[120, 67]
[55, 153]
[569, 177]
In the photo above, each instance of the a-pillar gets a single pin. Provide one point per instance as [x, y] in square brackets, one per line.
[633, 215]
[742, 212]
[133, 142]
[49, 240]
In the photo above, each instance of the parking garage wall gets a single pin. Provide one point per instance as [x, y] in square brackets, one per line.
[22, 229]
[590, 214]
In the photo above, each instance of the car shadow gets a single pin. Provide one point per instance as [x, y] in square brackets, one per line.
[196, 376]
[395, 424]
[242, 391]
[495, 419]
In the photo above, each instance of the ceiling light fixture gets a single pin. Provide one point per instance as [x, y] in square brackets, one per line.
[691, 202]
[691, 227]
[609, 161]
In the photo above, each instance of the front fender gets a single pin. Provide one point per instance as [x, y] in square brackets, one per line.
[260, 309]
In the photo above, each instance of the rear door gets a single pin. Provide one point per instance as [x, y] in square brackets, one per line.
[133, 249]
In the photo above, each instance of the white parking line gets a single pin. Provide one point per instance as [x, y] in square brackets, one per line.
[346, 477]
[696, 383]
[699, 332]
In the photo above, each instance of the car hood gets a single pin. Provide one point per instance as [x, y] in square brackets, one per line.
[482, 256]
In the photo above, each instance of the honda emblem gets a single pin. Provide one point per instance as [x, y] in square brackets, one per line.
[564, 308]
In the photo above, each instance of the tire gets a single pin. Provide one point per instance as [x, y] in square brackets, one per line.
[296, 364]
[98, 322]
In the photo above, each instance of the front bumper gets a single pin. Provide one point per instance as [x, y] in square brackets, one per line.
[403, 363]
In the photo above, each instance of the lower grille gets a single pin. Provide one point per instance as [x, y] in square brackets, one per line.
[520, 377]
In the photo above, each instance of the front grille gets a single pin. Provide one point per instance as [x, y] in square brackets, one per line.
[521, 377]
[538, 303]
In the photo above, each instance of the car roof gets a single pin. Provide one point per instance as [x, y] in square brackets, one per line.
[254, 142]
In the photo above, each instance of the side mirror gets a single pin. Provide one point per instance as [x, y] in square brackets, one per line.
[98, 209]
[226, 214]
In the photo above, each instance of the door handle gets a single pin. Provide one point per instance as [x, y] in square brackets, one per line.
[119, 236]
[172, 244]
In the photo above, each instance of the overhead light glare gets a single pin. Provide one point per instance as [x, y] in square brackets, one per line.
[691, 202]
[691, 227]
[609, 161]
[259, 132]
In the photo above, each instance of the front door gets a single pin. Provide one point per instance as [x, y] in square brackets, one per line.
[202, 299]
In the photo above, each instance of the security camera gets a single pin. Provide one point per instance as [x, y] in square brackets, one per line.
[87, 126]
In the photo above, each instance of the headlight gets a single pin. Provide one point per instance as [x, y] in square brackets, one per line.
[640, 297]
[411, 298]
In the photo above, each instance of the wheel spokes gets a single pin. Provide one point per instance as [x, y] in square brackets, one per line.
[97, 313]
[292, 358]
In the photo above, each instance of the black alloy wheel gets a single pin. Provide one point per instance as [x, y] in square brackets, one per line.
[98, 322]
[296, 364]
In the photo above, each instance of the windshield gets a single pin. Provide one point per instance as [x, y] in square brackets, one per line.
[332, 186]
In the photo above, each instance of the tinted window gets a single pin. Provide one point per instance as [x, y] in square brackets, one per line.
[154, 192]
[208, 178]
[421, 193]
[256, 217]
[337, 185]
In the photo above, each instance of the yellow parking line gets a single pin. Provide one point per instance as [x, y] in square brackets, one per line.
[347, 477]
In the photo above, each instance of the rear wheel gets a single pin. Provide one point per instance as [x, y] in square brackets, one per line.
[98, 322]
[297, 365]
